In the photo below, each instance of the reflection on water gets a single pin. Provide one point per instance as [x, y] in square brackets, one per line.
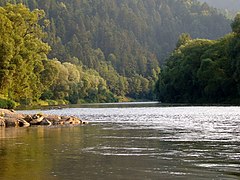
[128, 143]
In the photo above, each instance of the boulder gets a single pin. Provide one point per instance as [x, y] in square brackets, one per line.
[12, 119]
[11, 122]
[54, 119]
[36, 119]
[72, 120]
[14, 115]
[2, 122]
[46, 122]
[28, 118]
[23, 123]
[6, 111]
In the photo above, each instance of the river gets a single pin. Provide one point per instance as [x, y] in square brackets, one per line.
[133, 141]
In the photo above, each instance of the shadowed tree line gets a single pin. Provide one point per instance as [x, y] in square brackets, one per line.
[202, 70]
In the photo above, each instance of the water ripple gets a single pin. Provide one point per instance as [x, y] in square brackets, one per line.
[190, 137]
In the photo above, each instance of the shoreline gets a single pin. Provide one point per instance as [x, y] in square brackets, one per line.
[10, 118]
[124, 104]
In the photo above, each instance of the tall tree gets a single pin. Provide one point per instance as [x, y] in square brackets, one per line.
[22, 52]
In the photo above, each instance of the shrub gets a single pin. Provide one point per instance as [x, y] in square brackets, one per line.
[7, 104]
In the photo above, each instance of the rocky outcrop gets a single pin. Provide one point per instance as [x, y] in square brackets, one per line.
[10, 118]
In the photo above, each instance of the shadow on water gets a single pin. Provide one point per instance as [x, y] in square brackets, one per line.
[100, 105]
[119, 105]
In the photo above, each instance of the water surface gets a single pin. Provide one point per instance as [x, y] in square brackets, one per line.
[143, 142]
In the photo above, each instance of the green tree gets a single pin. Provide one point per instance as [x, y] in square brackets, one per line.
[203, 71]
[22, 52]
[236, 24]
[183, 39]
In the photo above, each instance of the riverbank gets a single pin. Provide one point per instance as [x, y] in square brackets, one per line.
[10, 118]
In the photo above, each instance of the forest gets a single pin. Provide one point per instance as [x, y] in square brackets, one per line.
[94, 51]
[227, 7]
[202, 70]
[230, 5]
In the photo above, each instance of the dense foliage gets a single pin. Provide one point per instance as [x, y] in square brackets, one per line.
[27, 75]
[203, 71]
[21, 53]
[101, 50]
[7, 104]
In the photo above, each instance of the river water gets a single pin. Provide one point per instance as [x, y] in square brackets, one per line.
[145, 141]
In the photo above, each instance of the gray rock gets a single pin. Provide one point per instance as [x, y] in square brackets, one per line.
[23, 123]
[46, 122]
[2, 122]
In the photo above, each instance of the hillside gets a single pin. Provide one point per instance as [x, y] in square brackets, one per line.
[203, 70]
[131, 30]
[123, 42]
[230, 5]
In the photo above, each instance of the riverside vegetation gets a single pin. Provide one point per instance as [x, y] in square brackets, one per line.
[202, 70]
[93, 51]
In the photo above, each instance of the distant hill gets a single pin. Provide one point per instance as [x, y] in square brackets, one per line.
[230, 5]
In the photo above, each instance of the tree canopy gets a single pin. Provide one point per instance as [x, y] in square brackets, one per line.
[27, 75]
[22, 52]
[203, 71]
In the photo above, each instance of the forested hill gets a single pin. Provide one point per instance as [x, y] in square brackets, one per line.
[202, 70]
[133, 34]
[121, 42]
[230, 5]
